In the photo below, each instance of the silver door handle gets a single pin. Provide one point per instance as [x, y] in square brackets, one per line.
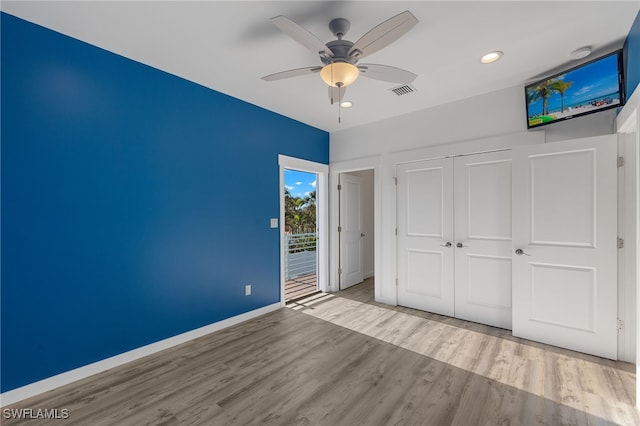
[520, 252]
[460, 245]
[447, 244]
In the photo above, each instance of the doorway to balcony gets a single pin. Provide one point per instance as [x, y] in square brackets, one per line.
[300, 227]
[304, 227]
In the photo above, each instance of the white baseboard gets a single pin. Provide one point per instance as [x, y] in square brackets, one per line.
[36, 388]
[386, 300]
[368, 274]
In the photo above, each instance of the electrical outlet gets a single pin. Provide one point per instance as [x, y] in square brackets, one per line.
[247, 290]
[274, 222]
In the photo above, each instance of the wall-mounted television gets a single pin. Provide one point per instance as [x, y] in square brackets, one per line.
[588, 88]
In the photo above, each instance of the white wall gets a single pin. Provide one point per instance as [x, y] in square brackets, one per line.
[491, 114]
[495, 120]
[367, 220]
[496, 113]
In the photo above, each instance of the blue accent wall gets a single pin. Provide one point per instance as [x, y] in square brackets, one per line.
[135, 204]
[632, 57]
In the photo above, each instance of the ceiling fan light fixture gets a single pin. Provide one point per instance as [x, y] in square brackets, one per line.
[346, 104]
[339, 74]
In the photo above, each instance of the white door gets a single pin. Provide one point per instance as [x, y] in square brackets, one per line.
[350, 231]
[425, 235]
[564, 223]
[483, 238]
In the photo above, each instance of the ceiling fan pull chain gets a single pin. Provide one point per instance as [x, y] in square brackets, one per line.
[339, 109]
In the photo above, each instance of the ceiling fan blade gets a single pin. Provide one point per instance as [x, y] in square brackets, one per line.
[291, 73]
[336, 94]
[301, 35]
[383, 35]
[386, 73]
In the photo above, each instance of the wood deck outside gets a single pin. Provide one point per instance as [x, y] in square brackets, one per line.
[300, 286]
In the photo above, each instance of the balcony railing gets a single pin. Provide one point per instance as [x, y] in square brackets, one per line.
[300, 254]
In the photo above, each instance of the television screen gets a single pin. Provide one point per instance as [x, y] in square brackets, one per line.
[591, 87]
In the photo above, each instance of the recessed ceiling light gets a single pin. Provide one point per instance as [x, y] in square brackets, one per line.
[346, 104]
[580, 53]
[491, 57]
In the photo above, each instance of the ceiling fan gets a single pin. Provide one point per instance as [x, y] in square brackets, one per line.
[340, 57]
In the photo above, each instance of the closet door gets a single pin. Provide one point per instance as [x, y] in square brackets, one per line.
[425, 235]
[564, 236]
[483, 238]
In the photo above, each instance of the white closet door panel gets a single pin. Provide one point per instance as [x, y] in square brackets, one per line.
[483, 238]
[565, 221]
[425, 225]
[562, 188]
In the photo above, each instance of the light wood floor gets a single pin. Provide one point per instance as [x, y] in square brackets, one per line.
[342, 359]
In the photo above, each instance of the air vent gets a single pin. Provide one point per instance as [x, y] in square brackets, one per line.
[405, 89]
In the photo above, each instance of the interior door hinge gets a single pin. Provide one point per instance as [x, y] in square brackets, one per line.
[339, 187]
[339, 228]
[620, 325]
[396, 231]
[339, 271]
[620, 161]
[396, 282]
[395, 179]
[620, 242]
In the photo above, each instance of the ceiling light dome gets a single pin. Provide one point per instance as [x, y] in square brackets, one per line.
[339, 74]
[491, 57]
[580, 53]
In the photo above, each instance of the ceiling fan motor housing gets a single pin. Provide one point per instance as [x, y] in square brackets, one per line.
[339, 27]
[340, 49]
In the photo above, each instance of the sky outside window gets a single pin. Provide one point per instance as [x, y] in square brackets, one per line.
[299, 184]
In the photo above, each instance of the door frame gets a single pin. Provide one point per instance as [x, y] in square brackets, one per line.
[628, 124]
[627, 255]
[322, 171]
[366, 163]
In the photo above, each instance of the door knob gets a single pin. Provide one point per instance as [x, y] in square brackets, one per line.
[447, 244]
[460, 245]
[362, 234]
[520, 252]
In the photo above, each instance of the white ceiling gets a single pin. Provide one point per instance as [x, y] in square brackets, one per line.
[228, 46]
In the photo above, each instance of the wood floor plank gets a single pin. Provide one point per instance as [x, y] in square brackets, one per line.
[343, 359]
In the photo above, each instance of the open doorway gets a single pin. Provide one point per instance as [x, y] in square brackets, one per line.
[304, 227]
[356, 231]
[300, 234]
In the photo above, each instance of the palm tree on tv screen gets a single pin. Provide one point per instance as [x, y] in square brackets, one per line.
[541, 91]
[561, 87]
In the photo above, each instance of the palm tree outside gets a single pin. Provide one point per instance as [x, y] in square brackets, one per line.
[300, 233]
